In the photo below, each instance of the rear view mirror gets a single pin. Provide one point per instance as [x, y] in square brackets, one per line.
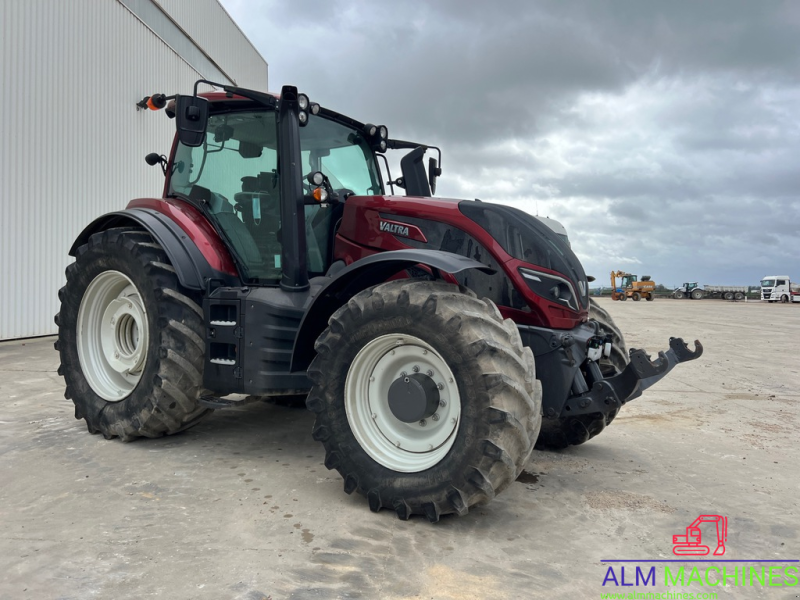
[433, 172]
[191, 119]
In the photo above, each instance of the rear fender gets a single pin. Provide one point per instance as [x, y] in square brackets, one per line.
[191, 265]
[359, 276]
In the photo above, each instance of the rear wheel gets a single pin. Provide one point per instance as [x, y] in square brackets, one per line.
[649, 297]
[130, 339]
[572, 431]
[426, 400]
[728, 296]
[738, 296]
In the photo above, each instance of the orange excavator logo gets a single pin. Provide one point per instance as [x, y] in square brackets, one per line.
[691, 544]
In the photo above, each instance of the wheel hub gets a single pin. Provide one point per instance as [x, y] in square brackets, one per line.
[402, 403]
[119, 335]
[112, 335]
[413, 398]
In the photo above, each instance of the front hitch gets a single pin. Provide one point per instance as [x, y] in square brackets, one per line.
[641, 373]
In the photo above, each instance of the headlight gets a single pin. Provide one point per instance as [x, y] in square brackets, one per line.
[551, 287]
[302, 117]
[302, 101]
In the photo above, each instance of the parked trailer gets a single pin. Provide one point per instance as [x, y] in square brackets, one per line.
[692, 290]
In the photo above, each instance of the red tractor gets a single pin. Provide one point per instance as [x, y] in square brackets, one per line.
[431, 336]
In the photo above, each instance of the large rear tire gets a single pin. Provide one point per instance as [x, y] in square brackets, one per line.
[561, 433]
[484, 424]
[130, 339]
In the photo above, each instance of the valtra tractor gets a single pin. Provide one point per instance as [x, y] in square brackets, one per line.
[438, 341]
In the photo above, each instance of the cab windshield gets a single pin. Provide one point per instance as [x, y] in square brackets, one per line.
[767, 283]
[236, 173]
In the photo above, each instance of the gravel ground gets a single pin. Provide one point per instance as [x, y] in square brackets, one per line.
[242, 507]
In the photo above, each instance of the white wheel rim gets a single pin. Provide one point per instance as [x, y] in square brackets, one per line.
[112, 335]
[400, 446]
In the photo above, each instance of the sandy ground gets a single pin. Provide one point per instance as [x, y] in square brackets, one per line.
[241, 506]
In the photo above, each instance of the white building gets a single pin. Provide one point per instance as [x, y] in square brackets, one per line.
[73, 142]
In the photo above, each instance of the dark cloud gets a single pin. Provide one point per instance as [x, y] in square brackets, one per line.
[665, 135]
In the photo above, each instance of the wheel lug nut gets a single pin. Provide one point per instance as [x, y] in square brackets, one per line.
[435, 417]
[424, 352]
[441, 387]
[423, 423]
[429, 373]
[442, 403]
[415, 369]
[403, 374]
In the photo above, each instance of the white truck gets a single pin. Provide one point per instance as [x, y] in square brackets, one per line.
[692, 289]
[779, 288]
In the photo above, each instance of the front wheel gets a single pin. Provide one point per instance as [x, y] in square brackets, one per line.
[426, 400]
[678, 294]
[697, 295]
[636, 296]
[784, 299]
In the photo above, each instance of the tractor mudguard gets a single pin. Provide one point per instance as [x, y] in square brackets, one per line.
[360, 275]
[193, 269]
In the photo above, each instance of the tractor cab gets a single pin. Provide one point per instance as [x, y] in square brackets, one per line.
[628, 281]
[689, 286]
[236, 173]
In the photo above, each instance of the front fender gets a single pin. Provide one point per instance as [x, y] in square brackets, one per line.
[359, 276]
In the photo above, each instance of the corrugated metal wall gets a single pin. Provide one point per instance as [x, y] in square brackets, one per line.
[73, 144]
[218, 37]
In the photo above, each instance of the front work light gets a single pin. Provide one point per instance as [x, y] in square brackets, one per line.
[302, 101]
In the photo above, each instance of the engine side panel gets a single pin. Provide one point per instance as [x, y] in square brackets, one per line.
[380, 223]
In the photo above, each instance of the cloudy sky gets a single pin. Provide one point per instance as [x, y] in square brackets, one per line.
[664, 135]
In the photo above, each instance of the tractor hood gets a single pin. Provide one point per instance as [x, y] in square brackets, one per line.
[527, 239]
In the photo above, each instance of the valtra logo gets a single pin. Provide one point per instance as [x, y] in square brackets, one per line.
[394, 228]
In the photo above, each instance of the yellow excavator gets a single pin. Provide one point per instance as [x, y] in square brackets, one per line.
[630, 287]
